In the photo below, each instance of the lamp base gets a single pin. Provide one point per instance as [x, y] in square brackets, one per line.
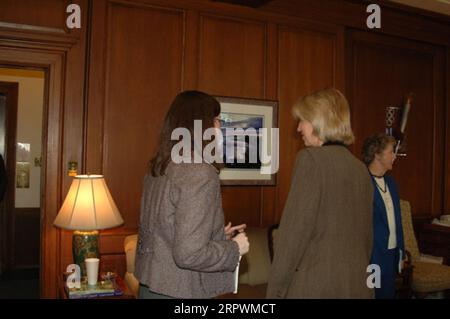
[84, 245]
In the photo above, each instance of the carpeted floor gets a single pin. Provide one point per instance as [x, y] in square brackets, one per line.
[22, 284]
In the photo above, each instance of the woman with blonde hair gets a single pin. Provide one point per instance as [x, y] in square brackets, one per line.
[324, 241]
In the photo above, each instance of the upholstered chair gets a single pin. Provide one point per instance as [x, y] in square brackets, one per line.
[429, 275]
[253, 271]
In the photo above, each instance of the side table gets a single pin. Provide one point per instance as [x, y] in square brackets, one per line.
[435, 240]
[126, 292]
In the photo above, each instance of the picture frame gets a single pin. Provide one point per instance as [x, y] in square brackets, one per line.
[250, 115]
[22, 175]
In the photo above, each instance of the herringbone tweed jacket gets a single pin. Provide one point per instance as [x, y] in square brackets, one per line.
[324, 241]
[182, 251]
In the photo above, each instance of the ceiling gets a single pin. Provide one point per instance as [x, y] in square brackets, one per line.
[439, 6]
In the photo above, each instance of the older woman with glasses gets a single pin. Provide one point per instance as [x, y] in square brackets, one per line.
[378, 154]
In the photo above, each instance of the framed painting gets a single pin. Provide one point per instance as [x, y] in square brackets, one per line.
[250, 141]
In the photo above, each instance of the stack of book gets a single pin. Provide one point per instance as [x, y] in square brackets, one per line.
[103, 288]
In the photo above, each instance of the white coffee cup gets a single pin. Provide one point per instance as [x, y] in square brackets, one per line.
[92, 270]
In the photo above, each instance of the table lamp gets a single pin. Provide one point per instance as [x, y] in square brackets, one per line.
[88, 207]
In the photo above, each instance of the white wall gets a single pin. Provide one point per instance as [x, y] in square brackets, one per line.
[29, 126]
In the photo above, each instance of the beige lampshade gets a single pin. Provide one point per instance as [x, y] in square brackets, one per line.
[88, 205]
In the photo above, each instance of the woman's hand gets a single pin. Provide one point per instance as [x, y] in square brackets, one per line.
[231, 231]
[242, 240]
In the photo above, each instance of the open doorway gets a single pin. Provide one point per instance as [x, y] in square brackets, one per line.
[22, 94]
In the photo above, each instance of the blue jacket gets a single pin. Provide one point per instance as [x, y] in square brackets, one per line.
[380, 223]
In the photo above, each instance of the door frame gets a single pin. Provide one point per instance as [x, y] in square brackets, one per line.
[11, 90]
[46, 51]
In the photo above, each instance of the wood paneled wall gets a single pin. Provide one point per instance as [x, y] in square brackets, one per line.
[308, 60]
[232, 62]
[46, 13]
[141, 71]
[382, 71]
[222, 54]
[233, 51]
[132, 57]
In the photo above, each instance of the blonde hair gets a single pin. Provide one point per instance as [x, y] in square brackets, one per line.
[328, 112]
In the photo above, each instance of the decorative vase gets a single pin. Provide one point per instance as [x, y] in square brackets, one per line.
[84, 245]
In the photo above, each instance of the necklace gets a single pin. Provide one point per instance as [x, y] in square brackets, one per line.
[376, 182]
[379, 187]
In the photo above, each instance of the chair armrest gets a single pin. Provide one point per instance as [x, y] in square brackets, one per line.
[431, 259]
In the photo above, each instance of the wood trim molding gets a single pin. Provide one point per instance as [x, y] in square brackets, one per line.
[446, 189]
[18, 35]
[27, 27]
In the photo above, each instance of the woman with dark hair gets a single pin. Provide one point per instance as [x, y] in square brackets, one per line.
[378, 154]
[184, 250]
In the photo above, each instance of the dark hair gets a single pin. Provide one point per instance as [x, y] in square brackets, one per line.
[187, 107]
[375, 144]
